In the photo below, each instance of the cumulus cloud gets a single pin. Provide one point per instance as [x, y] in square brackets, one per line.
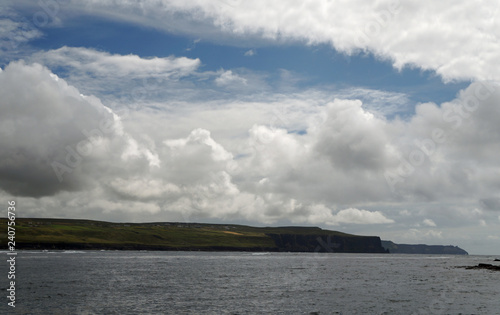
[353, 139]
[422, 235]
[250, 53]
[142, 188]
[360, 216]
[442, 144]
[339, 159]
[53, 138]
[58, 142]
[197, 156]
[228, 78]
[429, 222]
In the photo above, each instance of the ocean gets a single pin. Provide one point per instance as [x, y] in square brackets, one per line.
[140, 282]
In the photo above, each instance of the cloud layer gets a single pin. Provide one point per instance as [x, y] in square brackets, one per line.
[67, 142]
[408, 33]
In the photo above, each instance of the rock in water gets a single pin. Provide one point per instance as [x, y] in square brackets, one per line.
[485, 266]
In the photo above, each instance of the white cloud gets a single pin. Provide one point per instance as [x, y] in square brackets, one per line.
[52, 134]
[143, 188]
[320, 214]
[429, 222]
[121, 80]
[419, 235]
[353, 138]
[228, 78]
[250, 53]
[41, 119]
[103, 64]
[46, 121]
[200, 137]
[359, 216]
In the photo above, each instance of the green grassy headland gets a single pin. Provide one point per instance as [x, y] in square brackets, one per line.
[34, 233]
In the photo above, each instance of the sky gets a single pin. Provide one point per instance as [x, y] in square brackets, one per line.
[367, 117]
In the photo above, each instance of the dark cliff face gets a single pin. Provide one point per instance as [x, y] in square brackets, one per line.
[327, 243]
[423, 249]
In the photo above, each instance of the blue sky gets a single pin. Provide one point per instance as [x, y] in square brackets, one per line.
[370, 118]
[316, 65]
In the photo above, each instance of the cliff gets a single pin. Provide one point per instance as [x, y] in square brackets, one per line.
[394, 248]
[327, 243]
[88, 234]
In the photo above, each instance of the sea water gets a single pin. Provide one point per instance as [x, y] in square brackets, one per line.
[136, 282]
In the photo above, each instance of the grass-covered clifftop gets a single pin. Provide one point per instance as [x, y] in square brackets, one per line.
[87, 234]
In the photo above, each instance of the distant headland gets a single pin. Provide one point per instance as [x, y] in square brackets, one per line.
[423, 249]
[64, 234]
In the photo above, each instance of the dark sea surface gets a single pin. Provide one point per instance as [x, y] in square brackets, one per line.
[133, 282]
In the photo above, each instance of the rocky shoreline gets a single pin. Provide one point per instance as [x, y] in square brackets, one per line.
[484, 266]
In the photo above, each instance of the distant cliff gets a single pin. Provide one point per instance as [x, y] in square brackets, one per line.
[394, 248]
[64, 234]
[327, 243]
